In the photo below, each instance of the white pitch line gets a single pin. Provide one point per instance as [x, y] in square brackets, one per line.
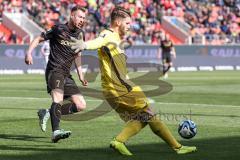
[151, 101]
[26, 98]
[38, 98]
[196, 104]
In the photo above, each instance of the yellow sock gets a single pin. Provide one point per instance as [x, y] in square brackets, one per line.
[160, 129]
[132, 128]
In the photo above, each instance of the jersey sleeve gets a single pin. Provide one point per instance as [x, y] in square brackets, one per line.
[48, 34]
[98, 42]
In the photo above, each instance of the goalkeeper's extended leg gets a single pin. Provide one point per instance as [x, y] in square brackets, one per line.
[132, 128]
[161, 130]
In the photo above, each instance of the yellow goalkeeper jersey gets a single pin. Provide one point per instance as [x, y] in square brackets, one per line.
[112, 63]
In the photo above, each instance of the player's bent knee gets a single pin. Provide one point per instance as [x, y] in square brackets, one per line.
[79, 101]
[80, 106]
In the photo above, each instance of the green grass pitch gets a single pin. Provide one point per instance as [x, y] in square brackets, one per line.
[211, 99]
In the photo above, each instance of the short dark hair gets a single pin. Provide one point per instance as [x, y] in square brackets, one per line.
[119, 12]
[77, 7]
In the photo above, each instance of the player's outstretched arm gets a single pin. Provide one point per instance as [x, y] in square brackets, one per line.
[79, 45]
[32, 46]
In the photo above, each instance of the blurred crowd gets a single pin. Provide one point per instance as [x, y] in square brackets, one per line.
[217, 20]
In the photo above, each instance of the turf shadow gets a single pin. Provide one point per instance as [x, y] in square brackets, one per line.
[208, 149]
[21, 137]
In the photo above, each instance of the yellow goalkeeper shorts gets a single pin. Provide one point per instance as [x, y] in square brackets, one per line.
[133, 105]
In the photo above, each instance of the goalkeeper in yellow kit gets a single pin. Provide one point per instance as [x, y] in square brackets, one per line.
[125, 97]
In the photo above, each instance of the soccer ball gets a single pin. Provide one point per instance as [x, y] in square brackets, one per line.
[187, 129]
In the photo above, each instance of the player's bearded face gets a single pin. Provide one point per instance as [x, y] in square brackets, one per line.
[78, 19]
[125, 26]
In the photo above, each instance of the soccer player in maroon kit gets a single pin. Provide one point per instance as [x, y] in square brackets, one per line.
[60, 83]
